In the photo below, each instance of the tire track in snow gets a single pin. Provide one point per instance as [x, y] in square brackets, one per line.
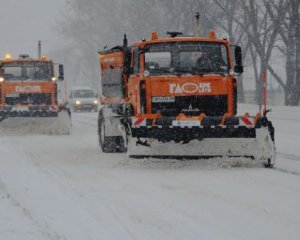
[110, 212]
[85, 117]
[85, 122]
[289, 156]
[52, 217]
[88, 120]
[51, 172]
[287, 171]
[285, 119]
[5, 194]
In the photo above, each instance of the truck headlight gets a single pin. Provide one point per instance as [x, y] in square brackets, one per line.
[77, 102]
[1, 79]
[95, 102]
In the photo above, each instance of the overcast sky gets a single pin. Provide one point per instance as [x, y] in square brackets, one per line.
[24, 22]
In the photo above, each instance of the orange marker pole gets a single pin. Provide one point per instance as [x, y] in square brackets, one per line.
[264, 80]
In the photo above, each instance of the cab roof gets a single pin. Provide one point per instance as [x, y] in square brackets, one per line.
[179, 39]
[156, 40]
[25, 60]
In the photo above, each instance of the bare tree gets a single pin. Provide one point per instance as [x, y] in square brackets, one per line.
[261, 33]
[289, 32]
[296, 14]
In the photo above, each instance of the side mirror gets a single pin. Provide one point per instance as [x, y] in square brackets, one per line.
[128, 70]
[61, 72]
[238, 68]
[127, 61]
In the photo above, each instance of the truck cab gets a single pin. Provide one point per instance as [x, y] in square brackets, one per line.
[183, 75]
[169, 76]
[28, 86]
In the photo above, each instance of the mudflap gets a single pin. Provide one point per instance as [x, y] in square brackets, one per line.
[55, 123]
[245, 143]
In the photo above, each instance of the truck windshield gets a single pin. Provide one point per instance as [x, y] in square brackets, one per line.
[84, 94]
[27, 71]
[186, 58]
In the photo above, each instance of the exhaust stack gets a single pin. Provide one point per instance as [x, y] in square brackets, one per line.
[197, 24]
[125, 41]
[40, 49]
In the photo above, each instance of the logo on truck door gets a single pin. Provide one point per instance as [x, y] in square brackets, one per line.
[28, 89]
[190, 88]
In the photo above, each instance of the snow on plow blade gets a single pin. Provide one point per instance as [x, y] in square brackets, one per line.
[244, 137]
[35, 122]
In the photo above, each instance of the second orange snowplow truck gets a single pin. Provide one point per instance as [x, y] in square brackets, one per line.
[177, 97]
[30, 95]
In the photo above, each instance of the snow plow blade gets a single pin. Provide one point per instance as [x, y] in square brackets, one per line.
[35, 122]
[208, 137]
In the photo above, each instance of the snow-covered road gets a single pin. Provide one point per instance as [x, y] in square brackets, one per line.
[65, 188]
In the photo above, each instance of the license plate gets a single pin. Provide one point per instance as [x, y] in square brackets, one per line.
[186, 123]
[163, 99]
[20, 109]
[12, 95]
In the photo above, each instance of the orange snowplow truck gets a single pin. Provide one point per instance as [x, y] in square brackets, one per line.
[29, 89]
[177, 97]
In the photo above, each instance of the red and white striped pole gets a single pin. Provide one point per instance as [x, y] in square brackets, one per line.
[264, 80]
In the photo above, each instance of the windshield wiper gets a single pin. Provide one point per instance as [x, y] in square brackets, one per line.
[182, 70]
[160, 70]
[214, 72]
[208, 71]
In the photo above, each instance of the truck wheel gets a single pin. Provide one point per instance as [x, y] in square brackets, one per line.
[120, 145]
[109, 144]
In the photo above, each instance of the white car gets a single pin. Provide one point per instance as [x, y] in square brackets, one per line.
[83, 99]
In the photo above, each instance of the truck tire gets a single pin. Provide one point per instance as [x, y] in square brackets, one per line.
[109, 144]
[121, 148]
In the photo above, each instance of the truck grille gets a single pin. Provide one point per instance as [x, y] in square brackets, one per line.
[193, 106]
[34, 99]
